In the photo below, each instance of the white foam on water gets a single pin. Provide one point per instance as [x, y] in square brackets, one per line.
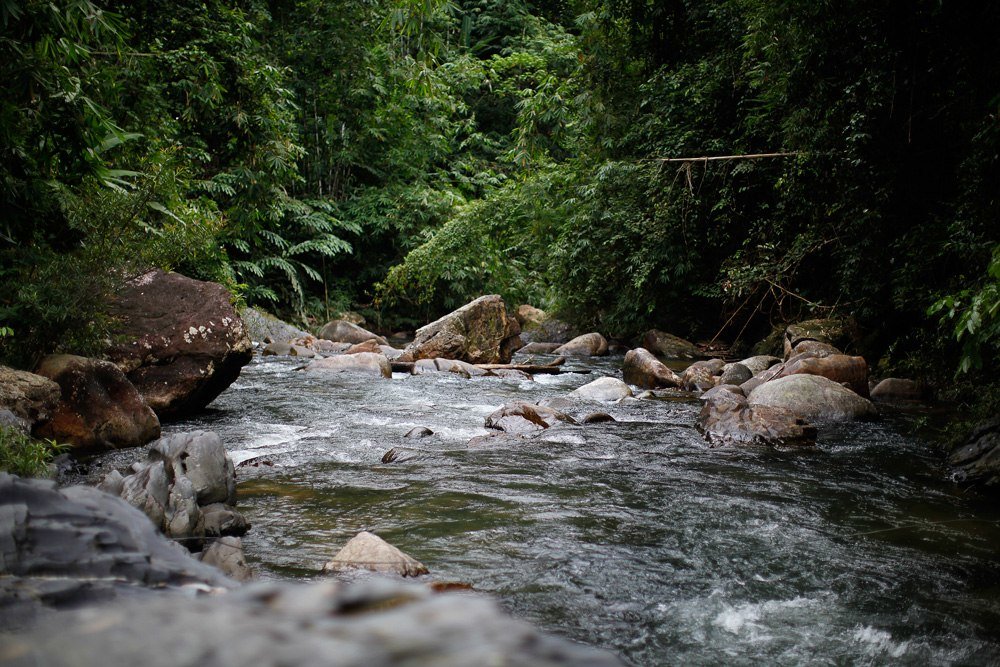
[879, 642]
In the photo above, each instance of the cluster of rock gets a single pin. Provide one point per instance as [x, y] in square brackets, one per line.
[91, 565]
[186, 486]
[179, 344]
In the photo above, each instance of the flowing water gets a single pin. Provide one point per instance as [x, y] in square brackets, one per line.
[633, 536]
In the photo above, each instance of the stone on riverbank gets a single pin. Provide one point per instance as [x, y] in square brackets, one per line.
[840, 334]
[812, 397]
[852, 372]
[668, 345]
[28, 396]
[342, 331]
[362, 362]
[99, 409]
[588, 345]
[898, 390]
[367, 551]
[263, 327]
[185, 343]
[480, 332]
[642, 369]
[537, 326]
[977, 462]
[702, 375]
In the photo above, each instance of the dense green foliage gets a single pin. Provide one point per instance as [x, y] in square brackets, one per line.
[402, 156]
[22, 455]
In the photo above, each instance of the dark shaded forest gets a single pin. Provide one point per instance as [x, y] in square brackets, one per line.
[399, 157]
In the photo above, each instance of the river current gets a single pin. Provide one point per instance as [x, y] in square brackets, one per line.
[633, 536]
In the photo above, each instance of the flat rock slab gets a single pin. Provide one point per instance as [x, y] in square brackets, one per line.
[367, 551]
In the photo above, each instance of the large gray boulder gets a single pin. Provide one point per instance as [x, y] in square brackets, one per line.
[86, 539]
[366, 363]
[643, 369]
[813, 398]
[342, 331]
[183, 342]
[28, 396]
[480, 332]
[264, 327]
[367, 551]
[201, 457]
[100, 409]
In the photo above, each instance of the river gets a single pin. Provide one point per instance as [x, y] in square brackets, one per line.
[633, 536]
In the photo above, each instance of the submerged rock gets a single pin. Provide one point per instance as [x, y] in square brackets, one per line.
[522, 417]
[99, 409]
[362, 362]
[813, 397]
[480, 332]
[588, 345]
[367, 551]
[606, 389]
[185, 343]
[419, 432]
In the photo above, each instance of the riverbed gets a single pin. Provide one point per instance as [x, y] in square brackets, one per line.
[635, 535]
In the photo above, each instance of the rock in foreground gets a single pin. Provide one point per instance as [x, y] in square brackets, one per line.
[727, 418]
[375, 623]
[367, 551]
[185, 343]
[480, 332]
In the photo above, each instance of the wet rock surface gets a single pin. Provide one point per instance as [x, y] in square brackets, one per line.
[521, 417]
[588, 345]
[367, 551]
[727, 418]
[977, 461]
[642, 369]
[606, 389]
